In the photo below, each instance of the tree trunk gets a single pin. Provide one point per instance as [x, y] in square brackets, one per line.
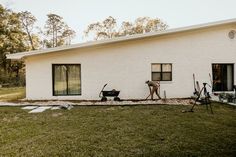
[53, 36]
[56, 37]
[29, 35]
[30, 39]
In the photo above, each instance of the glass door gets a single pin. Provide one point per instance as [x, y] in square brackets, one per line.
[223, 77]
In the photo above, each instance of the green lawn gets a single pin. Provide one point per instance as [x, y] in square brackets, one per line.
[12, 94]
[160, 130]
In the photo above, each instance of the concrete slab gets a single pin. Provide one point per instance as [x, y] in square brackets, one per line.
[40, 109]
[232, 104]
[29, 107]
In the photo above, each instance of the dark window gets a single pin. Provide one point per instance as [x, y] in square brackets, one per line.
[161, 72]
[66, 79]
[223, 77]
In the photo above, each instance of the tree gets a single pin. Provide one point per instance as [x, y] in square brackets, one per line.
[150, 25]
[12, 40]
[126, 29]
[57, 32]
[68, 35]
[108, 28]
[28, 22]
[103, 30]
[17, 34]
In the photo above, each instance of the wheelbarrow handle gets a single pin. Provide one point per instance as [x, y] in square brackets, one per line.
[104, 86]
[102, 90]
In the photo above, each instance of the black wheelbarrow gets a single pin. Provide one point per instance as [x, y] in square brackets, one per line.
[113, 93]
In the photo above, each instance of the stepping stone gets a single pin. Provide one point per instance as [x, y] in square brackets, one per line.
[56, 108]
[40, 109]
[29, 107]
[232, 104]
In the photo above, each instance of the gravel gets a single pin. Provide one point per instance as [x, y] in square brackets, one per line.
[99, 103]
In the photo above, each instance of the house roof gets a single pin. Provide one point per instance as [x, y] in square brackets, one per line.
[23, 55]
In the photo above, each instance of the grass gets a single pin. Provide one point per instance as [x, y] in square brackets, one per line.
[12, 94]
[160, 130]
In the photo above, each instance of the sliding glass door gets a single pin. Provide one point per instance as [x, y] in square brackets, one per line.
[66, 79]
[223, 77]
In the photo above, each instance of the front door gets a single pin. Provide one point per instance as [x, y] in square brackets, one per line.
[223, 77]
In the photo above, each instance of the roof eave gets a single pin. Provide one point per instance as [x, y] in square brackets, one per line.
[23, 55]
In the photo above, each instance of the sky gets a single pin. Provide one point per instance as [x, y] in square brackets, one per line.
[78, 14]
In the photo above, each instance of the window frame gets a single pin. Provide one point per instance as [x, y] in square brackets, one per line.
[161, 72]
[53, 80]
[212, 77]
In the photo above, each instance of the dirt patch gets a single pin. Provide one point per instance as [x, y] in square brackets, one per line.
[56, 114]
[11, 119]
[9, 95]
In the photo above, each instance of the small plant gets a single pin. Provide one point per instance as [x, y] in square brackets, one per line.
[222, 96]
[229, 97]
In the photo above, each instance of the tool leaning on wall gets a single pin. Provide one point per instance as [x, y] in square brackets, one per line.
[201, 95]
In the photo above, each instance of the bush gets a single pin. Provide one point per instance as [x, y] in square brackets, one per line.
[226, 96]
[12, 81]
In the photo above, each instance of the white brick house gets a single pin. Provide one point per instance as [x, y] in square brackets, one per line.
[79, 71]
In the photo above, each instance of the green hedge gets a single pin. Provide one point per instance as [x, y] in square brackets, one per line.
[12, 81]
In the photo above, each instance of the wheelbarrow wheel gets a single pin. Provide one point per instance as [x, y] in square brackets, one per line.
[117, 99]
[104, 99]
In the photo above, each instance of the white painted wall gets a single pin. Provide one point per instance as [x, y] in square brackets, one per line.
[126, 66]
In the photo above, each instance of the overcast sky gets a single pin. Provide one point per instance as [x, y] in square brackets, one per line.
[79, 13]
